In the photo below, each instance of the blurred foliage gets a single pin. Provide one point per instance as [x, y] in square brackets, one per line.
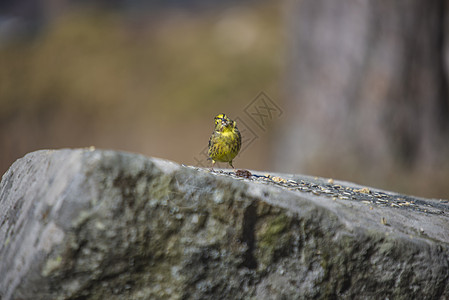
[96, 60]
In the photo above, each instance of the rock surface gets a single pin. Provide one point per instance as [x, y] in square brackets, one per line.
[91, 224]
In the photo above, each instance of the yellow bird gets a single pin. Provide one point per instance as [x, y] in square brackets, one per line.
[225, 142]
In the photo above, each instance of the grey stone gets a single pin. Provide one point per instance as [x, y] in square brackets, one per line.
[91, 224]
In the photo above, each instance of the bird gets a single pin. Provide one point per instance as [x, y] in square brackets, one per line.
[225, 141]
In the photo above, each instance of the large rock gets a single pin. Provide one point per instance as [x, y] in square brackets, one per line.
[84, 224]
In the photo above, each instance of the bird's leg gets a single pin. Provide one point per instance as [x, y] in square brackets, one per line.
[213, 164]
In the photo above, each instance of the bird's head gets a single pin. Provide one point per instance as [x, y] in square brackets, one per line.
[223, 123]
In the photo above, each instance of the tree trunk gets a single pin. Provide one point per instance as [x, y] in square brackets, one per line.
[366, 86]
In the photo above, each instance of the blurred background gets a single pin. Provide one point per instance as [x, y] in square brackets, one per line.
[354, 90]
